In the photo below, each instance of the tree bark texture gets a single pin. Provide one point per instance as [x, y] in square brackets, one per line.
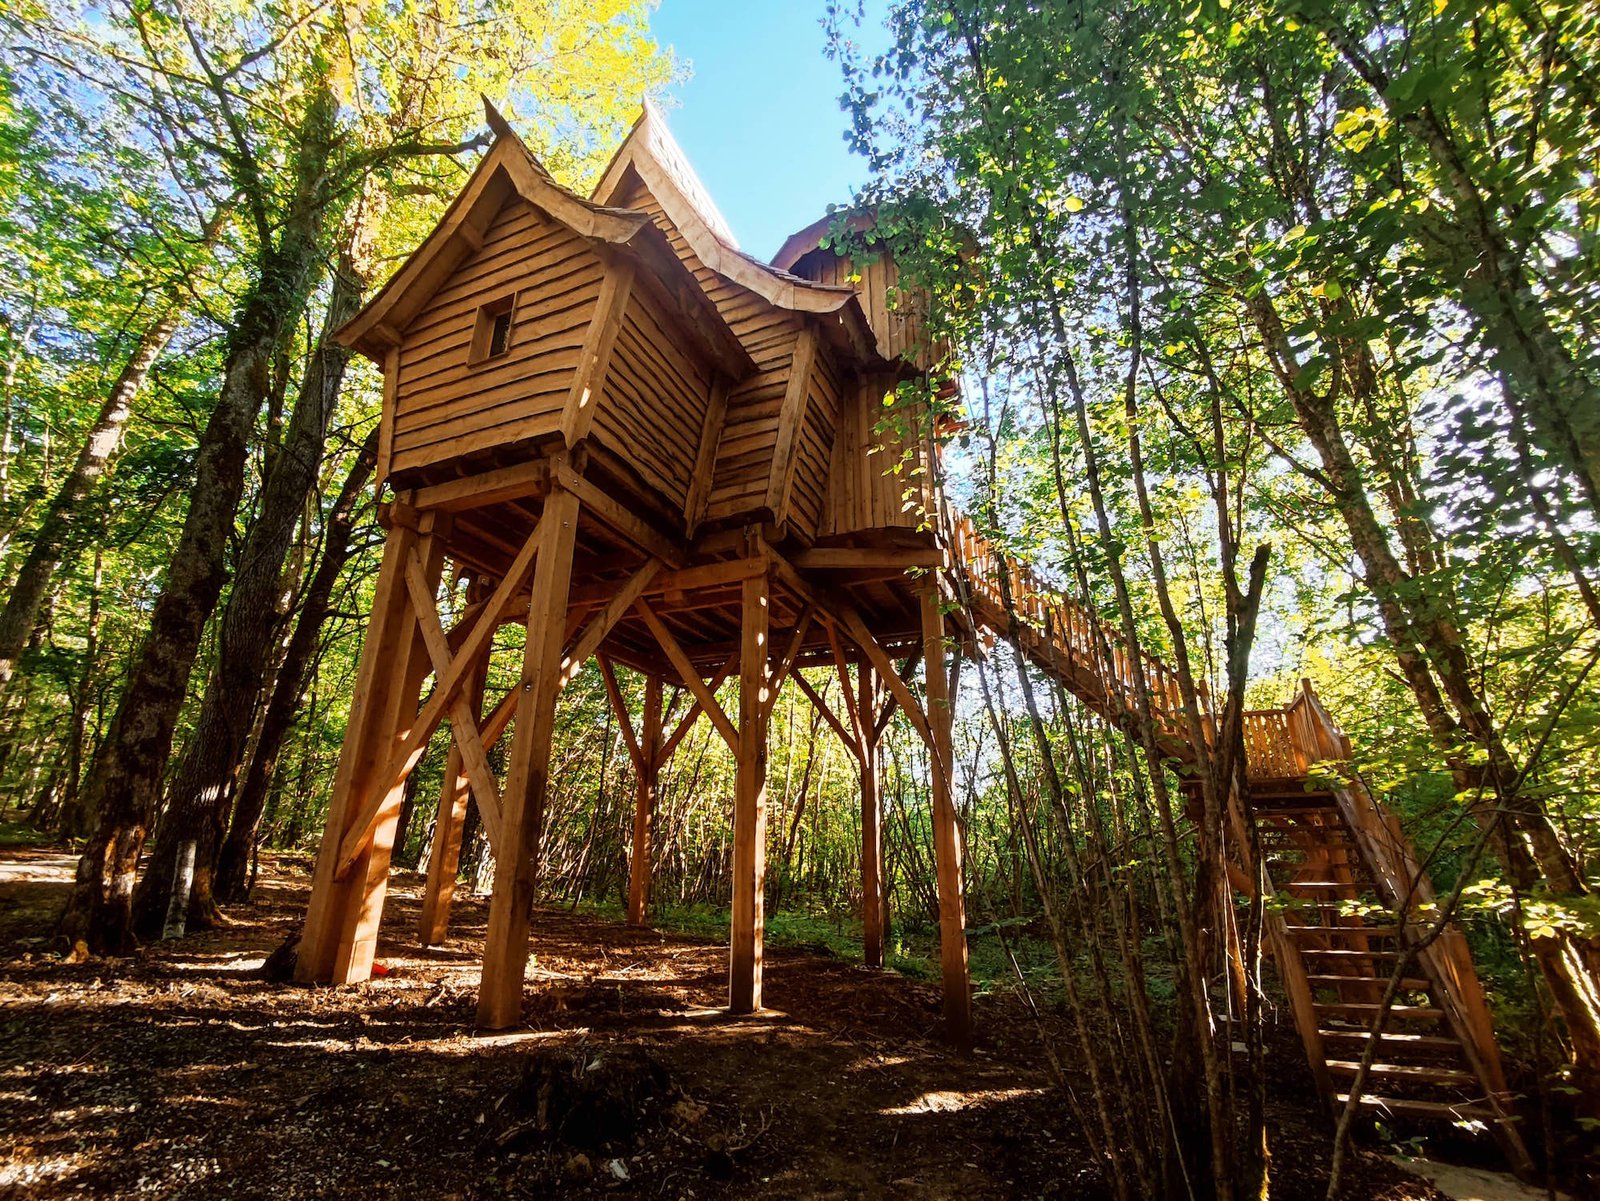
[232, 873]
[203, 786]
[124, 785]
[57, 529]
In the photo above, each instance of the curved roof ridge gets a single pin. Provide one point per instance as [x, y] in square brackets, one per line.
[654, 154]
[652, 131]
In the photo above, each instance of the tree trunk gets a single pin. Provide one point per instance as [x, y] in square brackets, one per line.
[125, 783]
[56, 531]
[232, 874]
[1477, 256]
[75, 821]
[203, 786]
[1426, 642]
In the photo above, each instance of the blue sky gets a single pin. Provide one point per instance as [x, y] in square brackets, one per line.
[759, 117]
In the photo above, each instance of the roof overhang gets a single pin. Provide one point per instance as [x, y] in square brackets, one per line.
[652, 154]
[801, 243]
[507, 170]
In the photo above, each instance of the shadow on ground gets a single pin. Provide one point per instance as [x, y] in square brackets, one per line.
[182, 1073]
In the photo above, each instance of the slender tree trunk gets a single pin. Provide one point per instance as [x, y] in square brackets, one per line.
[202, 789]
[233, 863]
[59, 526]
[75, 822]
[1518, 826]
[1476, 255]
[56, 531]
[125, 784]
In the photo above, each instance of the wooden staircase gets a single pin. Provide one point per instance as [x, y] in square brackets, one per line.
[1349, 900]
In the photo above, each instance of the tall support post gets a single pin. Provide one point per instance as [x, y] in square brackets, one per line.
[341, 928]
[645, 803]
[946, 835]
[872, 891]
[444, 864]
[505, 949]
[750, 804]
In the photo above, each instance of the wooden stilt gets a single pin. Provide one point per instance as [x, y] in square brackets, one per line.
[645, 803]
[872, 924]
[750, 804]
[341, 929]
[445, 862]
[505, 951]
[946, 835]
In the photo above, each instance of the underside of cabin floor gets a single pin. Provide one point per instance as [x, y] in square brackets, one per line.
[697, 594]
[218, 1083]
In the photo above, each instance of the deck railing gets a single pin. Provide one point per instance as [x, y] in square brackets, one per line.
[1271, 749]
[1280, 744]
[1088, 646]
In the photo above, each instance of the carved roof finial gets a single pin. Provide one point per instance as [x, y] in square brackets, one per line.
[496, 119]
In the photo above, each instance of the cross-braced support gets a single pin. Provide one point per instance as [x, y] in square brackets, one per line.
[347, 889]
[391, 727]
[444, 862]
[645, 752]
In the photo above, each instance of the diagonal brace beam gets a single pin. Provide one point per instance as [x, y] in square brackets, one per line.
[448, 684]
[691, 677]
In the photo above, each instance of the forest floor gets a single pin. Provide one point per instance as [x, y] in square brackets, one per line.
[184, 1073]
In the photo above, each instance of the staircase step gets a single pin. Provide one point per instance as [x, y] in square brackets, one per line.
[1417, 1073]
[1347, 953]
[1399, 1041]
[1409, 984]
[1322, 884]
[1441, 1111]
[1363, 931]
[1364, 1011]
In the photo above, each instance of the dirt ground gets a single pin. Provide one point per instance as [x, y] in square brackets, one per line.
[183, 1073]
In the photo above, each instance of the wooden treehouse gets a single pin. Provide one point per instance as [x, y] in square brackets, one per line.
[651, 449]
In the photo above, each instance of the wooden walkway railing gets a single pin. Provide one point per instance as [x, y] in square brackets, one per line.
[1063, 636]
[1392, 860]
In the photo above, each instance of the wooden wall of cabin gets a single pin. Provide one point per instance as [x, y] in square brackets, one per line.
[768, 334]
[446, 406]
[653, 408]
[744, 456]
[825, 393]
[865, 491]
[894, 318]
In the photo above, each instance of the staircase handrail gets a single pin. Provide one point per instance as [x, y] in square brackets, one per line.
[1070, 626]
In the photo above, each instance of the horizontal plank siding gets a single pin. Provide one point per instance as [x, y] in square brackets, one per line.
[814, 448]
[653, 407]
[445, 406]
[768, 335]
[897, 319]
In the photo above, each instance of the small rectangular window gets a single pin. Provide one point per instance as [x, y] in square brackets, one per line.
[491, 336]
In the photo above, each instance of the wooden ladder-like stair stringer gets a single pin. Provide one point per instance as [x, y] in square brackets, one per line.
[1356, 896]
[1337, 936]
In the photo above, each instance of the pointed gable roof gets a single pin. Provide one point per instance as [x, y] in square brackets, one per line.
[797, 245]
[651, 153]
[651, 138]
[510, 169]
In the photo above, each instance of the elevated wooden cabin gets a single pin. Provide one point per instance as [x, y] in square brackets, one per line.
[650, 447]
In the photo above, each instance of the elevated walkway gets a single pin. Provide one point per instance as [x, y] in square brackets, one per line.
[1354, 902]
